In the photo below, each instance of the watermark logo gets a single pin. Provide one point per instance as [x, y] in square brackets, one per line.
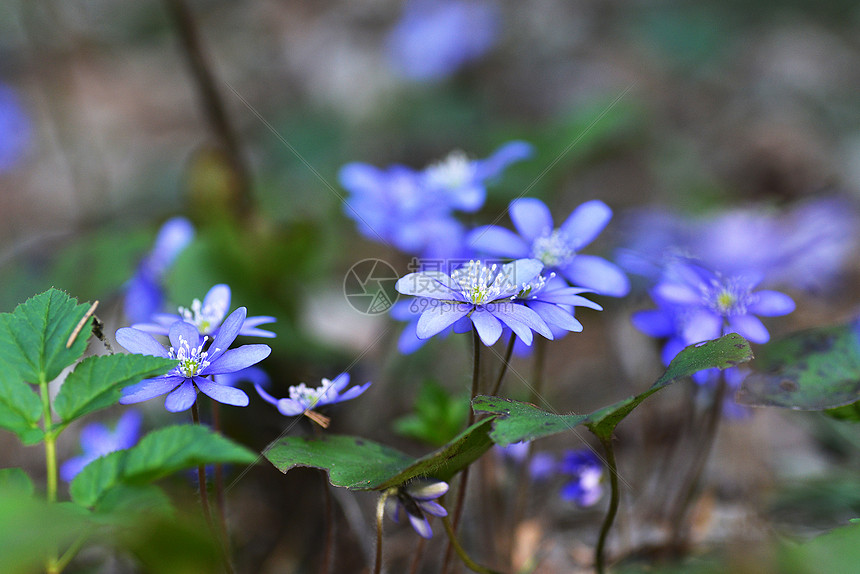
[369, 286]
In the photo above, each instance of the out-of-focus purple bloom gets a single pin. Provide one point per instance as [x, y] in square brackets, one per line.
[557, 248]
[303, 399]
[195, 364]
[585, 488]
[803, 247]
[15, 129]
[435, 38]
[483, 293]
[413, 210]
[97, 440]
[253, 375]
[701, 305]
[415, 499]
[542, 465]
[144, 293]
[207, 316]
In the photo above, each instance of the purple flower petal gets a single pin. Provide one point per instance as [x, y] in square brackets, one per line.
[702, 325]
[671, 349]
[525, 316]
[353, 392]
[182, 331]
[237, 359]
[182, 398]
[94, 437]
[654, 322]
[222, 393]
[438, 317]
[266, 396]
[227, 333]
[598, 274]
[585, 223]
[433, 508]
[136, 341]
[555, 315]
[340, 382]
[505, 155]
[218, 298]
[531, 217]
[249, 327]
[521, 271]
[149, 388]
[431, 284]
[290, 407]
[426, 489]
[497, 240]
[749, 327]
[489, 328]
[771, 304]
[421, 525]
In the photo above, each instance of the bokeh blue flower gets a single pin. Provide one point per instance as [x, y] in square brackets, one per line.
[97, 440]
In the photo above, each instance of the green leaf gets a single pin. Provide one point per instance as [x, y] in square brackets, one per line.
[810, 370]
[20, 408]
[16, 480]
[159, 454]
[33, 338]
[360, 464]
[97, 382]
[850, 413]
[175, 448]
[516, 421]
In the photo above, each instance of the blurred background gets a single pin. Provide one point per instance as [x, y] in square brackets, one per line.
[115, 117]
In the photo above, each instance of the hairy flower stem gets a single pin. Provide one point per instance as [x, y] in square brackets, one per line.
[688, 489]
[52, 565]
[201, 473]
[329, 525]
[380, 514]
[504, 369]
[464, 476]
[467, 560]
[599, 564]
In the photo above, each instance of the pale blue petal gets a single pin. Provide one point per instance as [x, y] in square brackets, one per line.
[266, 396]
[489, 328]
[598, 274]
[222, 393]
[432, 284]
[555, 315]
[237, 359]
[525, 316]
[521, 271]
[136, 341]
[183, 331]
[340, 382]
[519, 329]
[408, 342]
[531, 217]
[218, 298]
[353, 392]
[182, 398]
[671, 349]
[149, 388]
[702, 325]
[749, 327]
[501, 158]
[96, 438]
[290, 407]
[496, 240]
[654, 322]
[437, 318]
[585, 223]
[426, 488]
[421, 526]
[771, 304]
[249, 327]
[433, 508]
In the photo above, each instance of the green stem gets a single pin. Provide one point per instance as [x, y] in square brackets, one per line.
[201, 473]
[508, 352]
[380, 514]
[52, 565]
[613, 504]
[72, 550]
[455, 544]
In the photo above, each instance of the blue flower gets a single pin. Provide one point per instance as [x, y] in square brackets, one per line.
[542, 465]
[557, 248]
[207, 316]
[413, 210]
[696, 304]
[303, 399]
[554, 301]
[97, 440]
[415, 499]
[144, 294]
[483, 293]
[435, 38]
[15, 129]
[585, 487]
[195, 364]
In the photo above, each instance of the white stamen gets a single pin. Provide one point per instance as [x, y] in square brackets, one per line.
[206, 319]
[553, 249]
[191, 360]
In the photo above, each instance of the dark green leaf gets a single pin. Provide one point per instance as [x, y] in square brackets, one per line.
[97, 478]
[20, 408]
[811, 370]
[33, 338]
[97, 382]
[360, 464]
[516, 421]
[849, 413]
[16, 480]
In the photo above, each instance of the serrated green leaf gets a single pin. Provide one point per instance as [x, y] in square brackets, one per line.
[159, 454]
[16, 480]
[33, 338]
[516, 421]
[20, 408]
[175, 448]
[97, 478]
[361, 464]
[97, 382]
[810, 370]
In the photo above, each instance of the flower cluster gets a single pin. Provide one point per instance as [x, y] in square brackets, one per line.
[303, 399]
[586, 475]
[414, 210]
